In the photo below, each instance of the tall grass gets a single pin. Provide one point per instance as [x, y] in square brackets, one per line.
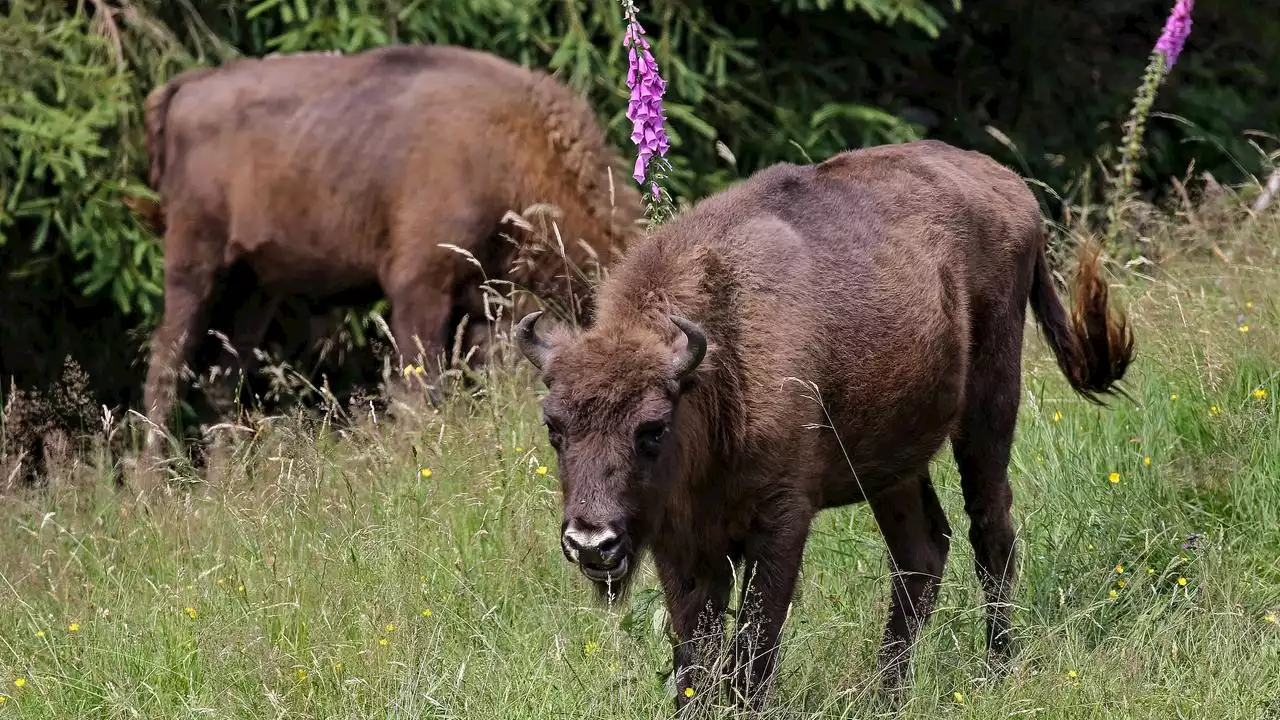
[340, 565]
[412, 569]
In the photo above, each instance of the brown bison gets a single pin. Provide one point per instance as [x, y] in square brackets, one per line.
[334, 179]
[805, 340]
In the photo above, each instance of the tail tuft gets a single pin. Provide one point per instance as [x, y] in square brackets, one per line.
[1094, 346]
[148, 211]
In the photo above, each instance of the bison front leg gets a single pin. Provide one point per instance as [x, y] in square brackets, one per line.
[918, 535]
[772, 561]
[418, 322]
[421, 282]
[697, 595]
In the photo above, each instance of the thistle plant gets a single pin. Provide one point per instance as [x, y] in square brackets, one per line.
[647, 117]
[1167, 49]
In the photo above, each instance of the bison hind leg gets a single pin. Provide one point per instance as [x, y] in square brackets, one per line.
[981, 444]
[916, 530]
[192, 254]
[239, 319]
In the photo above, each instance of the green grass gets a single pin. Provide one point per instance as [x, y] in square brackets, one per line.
[303, 545]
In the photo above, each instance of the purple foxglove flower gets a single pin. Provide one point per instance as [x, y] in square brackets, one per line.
[647, 88]
[1176, 30]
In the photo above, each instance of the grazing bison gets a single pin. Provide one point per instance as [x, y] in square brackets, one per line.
[333, 179]
[805, 340]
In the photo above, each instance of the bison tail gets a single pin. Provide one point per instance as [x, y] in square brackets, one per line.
[155, 115]
[148, 211]
[1093, 346]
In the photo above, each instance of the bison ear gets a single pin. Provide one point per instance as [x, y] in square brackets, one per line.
[695, 348]
[534, 348]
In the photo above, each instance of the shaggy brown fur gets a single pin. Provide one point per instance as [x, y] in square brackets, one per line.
[857, 313]
[331, 177]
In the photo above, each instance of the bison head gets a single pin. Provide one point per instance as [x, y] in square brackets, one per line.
[613, 398]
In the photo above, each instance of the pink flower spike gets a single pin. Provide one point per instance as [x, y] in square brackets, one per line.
[647, 87]
[1176, 30]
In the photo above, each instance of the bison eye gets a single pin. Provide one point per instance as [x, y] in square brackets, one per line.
[649, 438]
[554, 435]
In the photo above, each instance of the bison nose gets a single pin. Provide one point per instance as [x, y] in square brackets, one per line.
[592, 545]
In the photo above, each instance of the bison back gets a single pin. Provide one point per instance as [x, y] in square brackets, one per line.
[868, 275]
[313, 162]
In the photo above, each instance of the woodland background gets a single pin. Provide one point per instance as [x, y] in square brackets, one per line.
[1041, 85]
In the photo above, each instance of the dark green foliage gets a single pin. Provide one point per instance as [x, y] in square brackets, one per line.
[67, 111]
[1059, 78]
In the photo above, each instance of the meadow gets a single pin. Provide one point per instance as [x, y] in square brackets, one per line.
[342, 565]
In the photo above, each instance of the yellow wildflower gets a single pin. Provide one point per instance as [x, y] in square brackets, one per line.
[382, 642]
[519, 449]
[590, 648]
[1113, 594]
[1151, 571]
[1271, 618]
[1090, 547]
[1119, 569]
[426, 613]
[1121, 583]
[1057, 416]
[239, 588]
[1174, 397]
[1113, 478]
[425, 472]
[1260, 393]
[1248, 305]
[688, 692]
[39, 633]
[1243, 328]
[74, 627]
[1214, 411]
[337, 667]
[191, 612]
[302, 674]
[1072, 675]
[1182, 581]
[542, 470]
[20, 682]
[3, 699]
[1146, 461]
[391, 627]
[959, 697]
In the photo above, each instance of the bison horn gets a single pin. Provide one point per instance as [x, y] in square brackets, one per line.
[530, 344]
[695, 347]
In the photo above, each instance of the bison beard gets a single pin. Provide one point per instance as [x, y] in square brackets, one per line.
[844, 320]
